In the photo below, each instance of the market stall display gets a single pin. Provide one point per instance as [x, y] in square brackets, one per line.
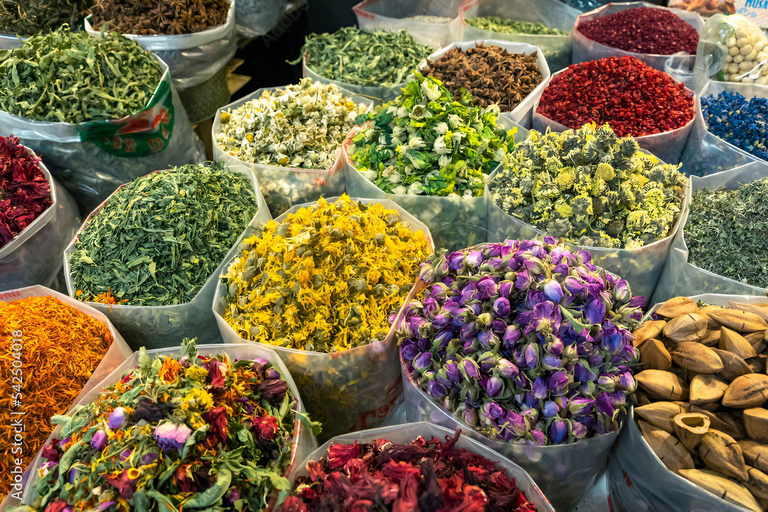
[290, 137]
[526, 346]
[19, 19]
[318, 285]
[705, 8]
[699, 408]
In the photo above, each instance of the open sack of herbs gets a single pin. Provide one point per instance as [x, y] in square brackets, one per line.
[431, 154]
[206, 427]
[21, 19]
[318, 285]
[510, 75]
[149, 256]
[635, 99]
[370, 63]
[290, 137]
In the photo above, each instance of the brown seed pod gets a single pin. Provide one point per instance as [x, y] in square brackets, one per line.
[735, 426]
[690, 327]
[677, 306]
[750, 390]
[720, 486]
[757, 483]
[750, 308]
[755, 454]
[735, 343]
[711, 323]
[733, 365]
[757, 340]
[654, 355]
[757, 364]
[756, 424]
[720, 452]
[666, 447]
[649, 329]
[739, 321]
[706, 389]
[661, 414]
[696, 357]
[718, 424]
[711, 337]
[661, 384]
[690, 428]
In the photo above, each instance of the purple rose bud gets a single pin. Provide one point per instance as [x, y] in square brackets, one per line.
[487, 362]
[501, 307]
[272, 374]
[550, 362]
[622, 293]
[422, 362]
[606, 383]
[540, 388]
[452, 372]
[584, 255]
[473, 259]
[538, 437]
[626, 382]
[550, 409]
[456, 260]
[558, 383]
[99, 440]
[469, 415]
[493, 410]
[595, 312]
[427, 274]
[436, 389]
[558, 431]
[494, 264]
[486, 288]
[494, 387]
[511, 335]
[517, 423]
[499, 326]
[505, 288]
[409, 350]
[531, 355]
[522, 381]
[574, 285]
[605, 408]
[578, 429]
[441, 339]
[429, 307]
[440, 291]
[507, 369]
[523, 280]
[553, 291]
[580, 406]
[530, 400]
[116, 418]
[469, 368]
[554, 346]
[441, 320]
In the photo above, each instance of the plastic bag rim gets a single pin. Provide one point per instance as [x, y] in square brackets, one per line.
[344, 85]
[468, 4]
[358, 9]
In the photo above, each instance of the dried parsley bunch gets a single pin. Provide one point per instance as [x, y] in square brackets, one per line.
[425, 142]
[70, 77]
[326, 279]
[360, 57]
[148, 18]
[726, 232]
[301, 125]
[591, 187]
[158, 239]
[27, 17]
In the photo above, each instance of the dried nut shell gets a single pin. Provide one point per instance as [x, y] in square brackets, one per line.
[690, 327]
[727, 426]
[711, 323]
[750, 390]
[755, 454]
[720, 486]
[756, 424]
[641, 398]
[733, 365]
[677, 306]
[721, 452]
[739, 321]
[735, 426]
[712, 338]
[757, 340]
[690, 428]
[666, 447]
[696, 357]
[654, 355]
[661, 384]
[735, 343]
[757, 364]
[706, 389]
[648, 330]
[660, 414]
[757, 483]
[760, 311]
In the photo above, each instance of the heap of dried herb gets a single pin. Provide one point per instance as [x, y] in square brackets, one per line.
[24, 191]
[70, 77]
[144, 18]
[361, 57]
[158, 239]
[725, 232]
[27, 17]
[496, 24]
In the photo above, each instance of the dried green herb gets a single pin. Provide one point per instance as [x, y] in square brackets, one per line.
[360, 57]
[159, 239]
[70, 77]
[725, 232]
[144, 18]
[496, 24]
[27, 17]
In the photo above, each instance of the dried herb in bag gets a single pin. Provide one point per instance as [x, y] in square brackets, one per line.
[27, 17]
[491, 75]
[738, 120]
[496, 24]
[144, 18]
[69, 77]
[59, 348]
[24, 191]
[158, 239]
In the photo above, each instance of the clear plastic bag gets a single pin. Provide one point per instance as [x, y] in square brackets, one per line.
[304, 441]
[521, 114]
[284, 187]
[705, 9]
[9, 41]
[34, 256]
[554, 14]
[455, 222]
[92, 159]
[706, 153]
[564, 472]
[585, 49]
[683, 278]
[191, 58]
[406, 433]
[258, 17]
[117, 353]
[391, 15]
[346, 391]
[163, 326]
[667, 146]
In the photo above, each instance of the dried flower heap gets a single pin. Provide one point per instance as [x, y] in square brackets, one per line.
[591, 187]
[738, 120]
[143, 18]
[524, 340]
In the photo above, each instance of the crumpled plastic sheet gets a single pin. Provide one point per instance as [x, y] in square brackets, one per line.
[350, 390]
[166, 326]
[680, 277]
[258, 17]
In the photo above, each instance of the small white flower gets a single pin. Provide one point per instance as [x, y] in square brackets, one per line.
[431, 90]
[443, 161]
[400, 190]
[415, 189]
[402, 112]
[439, 146]
[441, 127]
[454, 120]
[416, 143]
[369, 174]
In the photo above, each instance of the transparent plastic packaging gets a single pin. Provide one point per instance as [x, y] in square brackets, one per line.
[391, 15]
[667, 146]
[346, 391]
[406, 433]
[258, 17]
[584, 49]
[92, 159]
[455, 222]
[164, 326]
[554, 14]
[304, 441]
[637, 479]
[117, 353]
[522, 113]
[34, 256]
[706, 153]
[284, 187]
[191, 58]
[680, 277]
[10, 41]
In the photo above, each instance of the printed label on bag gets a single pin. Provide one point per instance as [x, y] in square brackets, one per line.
[755, 11]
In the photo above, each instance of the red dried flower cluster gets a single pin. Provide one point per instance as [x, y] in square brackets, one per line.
[626, 93]
[422, 475]
[24, 191]
[643, 30]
